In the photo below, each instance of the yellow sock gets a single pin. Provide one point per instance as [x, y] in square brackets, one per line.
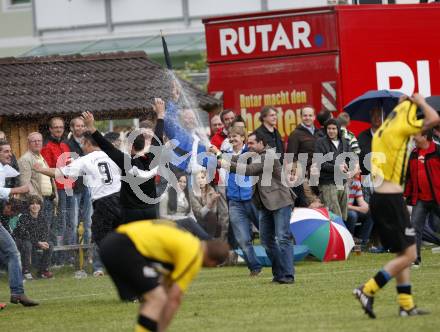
[405, 301]
[140, 328]
[371, 287]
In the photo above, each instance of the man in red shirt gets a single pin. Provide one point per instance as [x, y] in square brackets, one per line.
[226, 116]
[423, 184]
[216, 125]
[57, 154]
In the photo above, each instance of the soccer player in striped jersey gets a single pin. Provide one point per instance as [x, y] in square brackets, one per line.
[389, 163]
[103, 177]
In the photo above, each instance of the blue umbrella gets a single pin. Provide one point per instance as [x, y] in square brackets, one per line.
[434, 102]
[359, 108]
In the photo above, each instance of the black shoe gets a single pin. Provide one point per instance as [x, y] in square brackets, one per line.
[284, 280]
[414, 311]
[24, 300]
[365, 300]
[255, 273]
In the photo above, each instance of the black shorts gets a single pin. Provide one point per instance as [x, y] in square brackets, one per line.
[392, 220]
[131, 272]
[106, 216]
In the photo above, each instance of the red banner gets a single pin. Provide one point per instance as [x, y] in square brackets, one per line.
[270, 36]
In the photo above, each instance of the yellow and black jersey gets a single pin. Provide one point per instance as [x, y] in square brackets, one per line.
[176, 254]
[391, 143]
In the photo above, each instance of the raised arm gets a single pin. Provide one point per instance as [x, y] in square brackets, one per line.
[159, 108]
[432, 118]
[114, 154]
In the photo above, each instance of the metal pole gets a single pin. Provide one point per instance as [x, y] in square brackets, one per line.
[185, 12]
[34, 20]
[108, 15]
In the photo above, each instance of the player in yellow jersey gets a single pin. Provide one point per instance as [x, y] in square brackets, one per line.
[388, 209]
[155, 261]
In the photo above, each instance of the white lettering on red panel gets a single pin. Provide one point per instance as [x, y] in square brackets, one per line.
[386, 70]
[245, 39]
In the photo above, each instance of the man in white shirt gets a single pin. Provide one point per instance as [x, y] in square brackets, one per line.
[9, 253]
[103, 177]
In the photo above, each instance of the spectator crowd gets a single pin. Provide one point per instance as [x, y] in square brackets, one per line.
[225, 190]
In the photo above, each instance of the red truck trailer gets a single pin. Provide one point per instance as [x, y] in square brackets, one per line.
[322, 56]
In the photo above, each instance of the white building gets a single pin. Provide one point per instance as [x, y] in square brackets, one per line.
[44, 27]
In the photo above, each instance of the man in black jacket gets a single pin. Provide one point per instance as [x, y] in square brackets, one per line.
[333, 171]
[303, 139]
[268, 130]
[136, 194]
[365, 138]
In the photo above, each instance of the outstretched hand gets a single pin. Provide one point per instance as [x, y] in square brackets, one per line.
[214, 150]
[212, 199]
[89, 121]
[159, 108]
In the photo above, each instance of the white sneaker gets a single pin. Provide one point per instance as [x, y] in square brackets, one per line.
[81, 274]
[28, 276]
[98, 273]
[415, 265]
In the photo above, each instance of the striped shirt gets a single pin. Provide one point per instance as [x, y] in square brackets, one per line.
[355, 191]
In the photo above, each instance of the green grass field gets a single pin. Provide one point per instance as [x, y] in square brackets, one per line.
[226, 299]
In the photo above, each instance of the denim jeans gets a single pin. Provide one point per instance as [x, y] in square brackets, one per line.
[241, 217]
[47, 210]
[277, 240]
[81, 207]
[65, 220]
[10, 255]
[193, 227]
[97, 263]
[366, 227]
[419, 216]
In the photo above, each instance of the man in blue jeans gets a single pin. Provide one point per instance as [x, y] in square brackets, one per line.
[242, 211]
[81, 200]
[358, 211]
[9, 254]
[274, 200]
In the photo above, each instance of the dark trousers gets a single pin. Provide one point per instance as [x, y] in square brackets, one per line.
[26, 249]
[419, 215]
[190, 225]
[211, 224]
[106, 216]
[129, 215]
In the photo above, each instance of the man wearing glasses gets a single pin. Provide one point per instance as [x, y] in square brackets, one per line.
[57, 154]
[40, 185]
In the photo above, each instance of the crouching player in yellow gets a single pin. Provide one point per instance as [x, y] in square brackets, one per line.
[155, 261]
